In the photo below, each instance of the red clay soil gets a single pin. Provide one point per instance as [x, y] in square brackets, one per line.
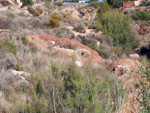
[130, 63]
[44, 39]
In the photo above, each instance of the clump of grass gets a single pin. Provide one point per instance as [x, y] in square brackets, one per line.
[8, 46]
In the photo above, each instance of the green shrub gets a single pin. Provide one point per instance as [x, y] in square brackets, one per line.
[79, 90]
[53, 23]
[66, 16]
[141, 15]
[145, 3]
[56, 16]
[39, 88]
[117, 26]
[103, 7]
[48, 5]
[144, 89]
[27, 2]
[7, 46]
[58, 3]
[86, 23]
[24, 40]
[36, 13]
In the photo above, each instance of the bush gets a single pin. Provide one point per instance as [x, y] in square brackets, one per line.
[36, 13]
[24, 40]
[86, 23]
[117, 26]
[48, 5]
[53, 23]
[103, 7]
[144, 89]
[58, 3]
[56, 16]
[145, 3]
[27, 2]
[7, 46]
[141, 15]
[5, 23]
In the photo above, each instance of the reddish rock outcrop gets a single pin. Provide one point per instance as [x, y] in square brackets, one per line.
[67, 48]
[124, 65]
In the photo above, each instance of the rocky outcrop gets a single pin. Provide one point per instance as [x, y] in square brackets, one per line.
[72, 11]
[88, 12]
[67, 48]
[123, 66]
[134, 56]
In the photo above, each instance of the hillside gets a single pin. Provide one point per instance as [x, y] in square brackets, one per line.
[80, 58]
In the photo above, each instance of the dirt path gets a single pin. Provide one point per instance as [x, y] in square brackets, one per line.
[88, 31]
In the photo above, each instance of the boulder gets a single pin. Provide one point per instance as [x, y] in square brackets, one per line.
[134, 56]
[67, 48]
[20, 73]
[123, 66]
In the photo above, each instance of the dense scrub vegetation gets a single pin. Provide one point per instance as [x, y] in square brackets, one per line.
[58, 3]
[27, 2]
[141, 15]
[7, 46]
[72, 89]
[145, 3]
[117, 26]
[144, 88]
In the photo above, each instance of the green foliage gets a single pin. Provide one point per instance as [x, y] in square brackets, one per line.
[141, 15]
[53, 23]
[117, 26]
[48, 5]
[117, 3]
[103, 7]
[7, 46]
[36, 13]
[58, 3]
[56, 16]
[144, 88]
[39, 88]
[145, 3]
[24, 40]
[85, 92]
[86, 23]
[27, 2]
[74, 89]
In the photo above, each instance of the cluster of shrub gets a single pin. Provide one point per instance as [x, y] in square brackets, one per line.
[117, 26]
[35, 12]
[141, 15]
[55, 20]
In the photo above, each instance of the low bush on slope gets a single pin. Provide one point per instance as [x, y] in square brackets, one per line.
[141, 15]
[117, 25]
[71, 89]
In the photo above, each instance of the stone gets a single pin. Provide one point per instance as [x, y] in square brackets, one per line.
[122, 66]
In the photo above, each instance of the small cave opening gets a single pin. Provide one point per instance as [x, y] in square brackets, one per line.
[145, 51]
